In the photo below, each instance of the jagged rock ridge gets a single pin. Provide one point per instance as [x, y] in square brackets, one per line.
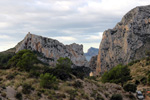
[50, 50]
[127, 41]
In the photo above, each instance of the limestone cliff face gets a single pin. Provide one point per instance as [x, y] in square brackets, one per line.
[50, 50]
[93, 63]
[127, 41]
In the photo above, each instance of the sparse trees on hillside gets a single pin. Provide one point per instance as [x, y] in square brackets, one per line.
[118, 74]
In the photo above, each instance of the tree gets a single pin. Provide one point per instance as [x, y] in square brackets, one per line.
[47, 80]
[130, 87]
[24, 59]
[118, 74]
[64, 63]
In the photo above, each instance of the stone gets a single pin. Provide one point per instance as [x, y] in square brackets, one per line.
[129, 40]
[51, 50]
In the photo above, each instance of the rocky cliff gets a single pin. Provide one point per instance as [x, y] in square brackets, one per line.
[49, 50]
[129, 40]
[93, 63]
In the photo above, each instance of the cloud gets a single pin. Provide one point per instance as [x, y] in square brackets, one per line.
[64, 39]
[80, 21]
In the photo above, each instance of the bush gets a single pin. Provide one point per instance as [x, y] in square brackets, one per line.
[24, 60]
[64, 63]
[18, 96]
[99, 97]
[61, 74]
[78, 84]
[72, 93]
[3, 94]
[34, 73]
[26, 88]
[130, 87]
[118, 74]
[11, 76]
[4, 58]
[143, 80]
[137, 82]
[148, 79]
[47, 80]
[116, 97]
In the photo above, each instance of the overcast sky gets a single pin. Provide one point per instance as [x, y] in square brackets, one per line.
[69, 21]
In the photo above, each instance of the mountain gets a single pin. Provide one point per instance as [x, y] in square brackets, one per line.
[91, 52]
[129, 40]
[50, 50]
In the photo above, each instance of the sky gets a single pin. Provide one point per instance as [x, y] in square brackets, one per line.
[68, 21]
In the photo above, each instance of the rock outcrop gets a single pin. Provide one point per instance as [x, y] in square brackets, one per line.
[129, 40]
[91, 52]
[93, 63]
[50, 50]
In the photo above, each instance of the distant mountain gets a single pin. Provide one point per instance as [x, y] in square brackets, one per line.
[91, 52]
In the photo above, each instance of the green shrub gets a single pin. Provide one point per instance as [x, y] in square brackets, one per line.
[78, 84]
[116, 97]
[131, 96]
[118, 74]
[133, 62]
[64, 63]
[3, 94]
[26, 88]
[18, 96]
[34, 73]
[4, 58]
[72, 93]
[137, 82]
[24, 60]
[11, 76]
[148, 79]
[130, 87]
[99, 97]
[47, 80]
[143, 80]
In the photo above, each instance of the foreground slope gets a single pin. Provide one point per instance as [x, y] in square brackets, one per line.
[127, 41]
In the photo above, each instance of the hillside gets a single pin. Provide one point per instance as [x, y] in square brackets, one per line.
[24, 77]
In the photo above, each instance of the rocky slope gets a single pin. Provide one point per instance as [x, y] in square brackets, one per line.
[91, 52]
[127, 41]
[50, 50]
[93, 63]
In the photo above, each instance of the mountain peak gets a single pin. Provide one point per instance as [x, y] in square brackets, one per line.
[51, 49]
[127, 41]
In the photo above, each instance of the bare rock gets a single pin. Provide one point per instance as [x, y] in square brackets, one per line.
[51, 50]
[127, 41]
[93, 63]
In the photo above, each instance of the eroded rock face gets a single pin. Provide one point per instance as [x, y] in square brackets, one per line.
[127, 41]
[50, 50]
[93, 63]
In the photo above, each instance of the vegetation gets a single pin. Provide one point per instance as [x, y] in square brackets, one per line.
[18, 96]
[26, 88]
[78, 84]
[47, 80]
[24, 60]
[118, 74]
[4, 58]
[116, 97]
[130, 87]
